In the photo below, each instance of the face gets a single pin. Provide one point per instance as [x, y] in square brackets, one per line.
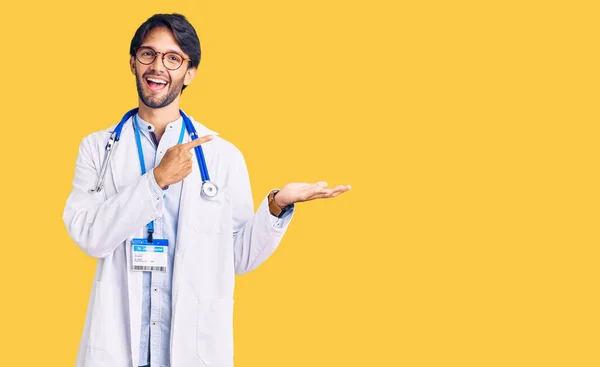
[158, 86]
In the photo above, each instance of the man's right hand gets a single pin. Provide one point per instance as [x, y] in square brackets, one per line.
[177, 162]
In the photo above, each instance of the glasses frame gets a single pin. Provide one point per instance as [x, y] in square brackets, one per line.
[136, 49]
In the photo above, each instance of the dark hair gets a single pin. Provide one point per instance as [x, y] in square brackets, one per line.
[183, 31]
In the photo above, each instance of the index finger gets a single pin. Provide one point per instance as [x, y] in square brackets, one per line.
[194, 143]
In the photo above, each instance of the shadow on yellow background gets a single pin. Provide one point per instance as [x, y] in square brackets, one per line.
[467, 129]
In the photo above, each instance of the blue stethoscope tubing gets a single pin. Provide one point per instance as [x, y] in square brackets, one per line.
[209, 189]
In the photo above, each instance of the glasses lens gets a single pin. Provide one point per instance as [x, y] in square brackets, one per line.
[145, 55]
[172, 60]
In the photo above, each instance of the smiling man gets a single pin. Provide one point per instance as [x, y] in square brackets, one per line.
[169, 238]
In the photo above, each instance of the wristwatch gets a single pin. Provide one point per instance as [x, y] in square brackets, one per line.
[274, 208]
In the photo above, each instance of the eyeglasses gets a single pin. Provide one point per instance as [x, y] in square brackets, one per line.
[171, 60]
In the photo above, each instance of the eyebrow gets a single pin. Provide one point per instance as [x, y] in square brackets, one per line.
[168, 50]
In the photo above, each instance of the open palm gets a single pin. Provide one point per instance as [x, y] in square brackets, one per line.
[301, 191]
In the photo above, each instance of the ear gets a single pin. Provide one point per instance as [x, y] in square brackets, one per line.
[132, 64]
[189, 75]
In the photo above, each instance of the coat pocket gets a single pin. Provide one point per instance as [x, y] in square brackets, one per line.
[215, 331]
[210, 214]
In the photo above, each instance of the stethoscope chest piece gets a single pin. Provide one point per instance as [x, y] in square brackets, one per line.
[209, 189]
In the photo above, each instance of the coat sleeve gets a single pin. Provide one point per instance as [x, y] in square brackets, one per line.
[255, 235]
[99, 225]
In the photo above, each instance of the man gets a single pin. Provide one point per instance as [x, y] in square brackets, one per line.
[168, 238]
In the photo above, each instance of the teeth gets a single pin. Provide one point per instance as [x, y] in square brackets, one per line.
[157, 81]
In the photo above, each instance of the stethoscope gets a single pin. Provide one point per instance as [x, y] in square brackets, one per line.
[208, 189]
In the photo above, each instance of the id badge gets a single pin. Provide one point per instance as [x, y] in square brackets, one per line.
[150, 256]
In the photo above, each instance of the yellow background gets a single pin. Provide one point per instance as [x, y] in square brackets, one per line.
[468, 129]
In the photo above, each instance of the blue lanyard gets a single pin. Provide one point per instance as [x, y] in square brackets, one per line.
[138, 141]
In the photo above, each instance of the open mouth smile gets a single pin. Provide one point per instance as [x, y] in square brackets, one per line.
[156, 84]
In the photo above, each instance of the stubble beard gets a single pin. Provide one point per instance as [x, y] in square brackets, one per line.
[157, 101]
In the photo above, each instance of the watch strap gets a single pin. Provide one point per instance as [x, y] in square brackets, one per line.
[274, 208]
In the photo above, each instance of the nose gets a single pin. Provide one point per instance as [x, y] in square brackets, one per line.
[158, 62]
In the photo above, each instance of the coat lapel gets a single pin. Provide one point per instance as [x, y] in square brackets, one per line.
[190, 191]
[191, 185]
[124, 164]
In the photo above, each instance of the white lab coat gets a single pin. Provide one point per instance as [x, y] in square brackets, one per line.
[216, 239]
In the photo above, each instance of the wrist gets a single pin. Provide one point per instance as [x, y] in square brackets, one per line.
[277, 199]
[278, 207]
[158, 178]
[274, 207]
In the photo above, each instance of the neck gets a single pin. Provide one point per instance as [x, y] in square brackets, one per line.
[159, 117]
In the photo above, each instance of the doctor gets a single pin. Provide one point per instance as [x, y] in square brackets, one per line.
[168, 212]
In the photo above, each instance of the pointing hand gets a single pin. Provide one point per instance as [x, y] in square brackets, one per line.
[177, 162]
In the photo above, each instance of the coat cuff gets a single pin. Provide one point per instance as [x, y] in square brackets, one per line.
[278, 224]
[156, 193]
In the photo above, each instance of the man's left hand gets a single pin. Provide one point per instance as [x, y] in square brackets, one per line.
[296, 192]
